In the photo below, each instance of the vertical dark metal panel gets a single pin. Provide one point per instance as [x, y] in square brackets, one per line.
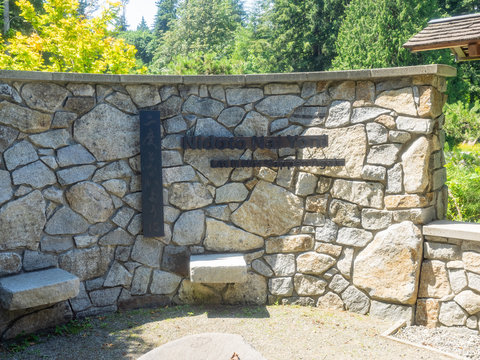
[152, 183]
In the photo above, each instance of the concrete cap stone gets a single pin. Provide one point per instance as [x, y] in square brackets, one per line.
[37, 288]
[218, 268]
[206, 346]
[453, 229]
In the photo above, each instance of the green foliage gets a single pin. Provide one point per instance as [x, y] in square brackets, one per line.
[166, 12]
[204, 63]
[462, 122]
[144, 42]
[463, 181]
[373, 32]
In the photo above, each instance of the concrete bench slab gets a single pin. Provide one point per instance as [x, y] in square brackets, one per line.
[37, 288]
[453, 229]
[218, 268]
[207, 346]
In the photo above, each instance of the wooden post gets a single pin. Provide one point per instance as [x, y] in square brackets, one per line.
[473, 50]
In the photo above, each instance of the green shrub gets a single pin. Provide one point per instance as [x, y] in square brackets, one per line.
[462, 122]
[463, 181]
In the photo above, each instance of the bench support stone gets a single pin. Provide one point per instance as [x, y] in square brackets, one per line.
[218, 268]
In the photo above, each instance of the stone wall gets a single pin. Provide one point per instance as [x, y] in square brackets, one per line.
[342, 237]
[449, 293]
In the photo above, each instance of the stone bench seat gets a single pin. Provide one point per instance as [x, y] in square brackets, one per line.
[453, 229]
[37, 288]
[218, 268]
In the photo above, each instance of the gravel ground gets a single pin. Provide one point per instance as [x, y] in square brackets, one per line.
[460, 341]
[278, 332]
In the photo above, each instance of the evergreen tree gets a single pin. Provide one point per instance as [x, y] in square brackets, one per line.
[373, 32]
[166, 12]
[143, 25]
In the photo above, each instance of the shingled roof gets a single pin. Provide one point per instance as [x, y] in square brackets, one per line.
[461, 34]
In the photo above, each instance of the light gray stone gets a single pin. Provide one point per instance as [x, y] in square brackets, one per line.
[277, 89]
[116, 187]
[254, 124]
[91, 201]
[362, 193]
[164, 282]
[23, 118]
[330, 301]
[51, 139]
[253, 291]
[189, 228]
[440, 251]
[209, 127]
[8, 92]
[171, 158]
[376, 133]
[391, 312]
[167, 91]
[349, 143]
[415, 125]
[468, 300]
[134, 200]
[37, 175]
[10, 263]
[473, 281]
[363, 114]
[281, 286]
[472, 322]
[74, 155]
[144, 95]
[56, 244]
[81, 301]
[118, 276]
[314, 219]
[63, 119]
[170, 107]
[37, 288]
[217, 92]
[175, 125]
[223, 237]
[147, 251]
[117, 237]
[220, 212]
[7, 137]
[50, 162]
[395, 179]
[338, 283]
[383, 154]
[75, 174]
[34, 260]
[285, 177]
[232, 192]
[231, 116]
[218, 268]
[306, 184]
[263, 269]
[87, 263]
[279, 105]
[344, 213]
[84, 241]
[374, 172]
[141, 280]
[21, 153]
[178, 174]
[327, 232]
[271, 210]
[105, 297]
[415, 162]
[344, 264]
[44, 96]
[108, 133]
[308, 285]
[123, 216]
[278, 124]
[22, 222]
[205, 107]
[389, 267]
[399, 136]
[188, 196]
[355, 300]
[6, 190]
[339, 114]
[136, 224]
[289, 243]
[309, 116]
[376, 219]
[354, 237]
[114, 170]
[65, 221]
[309, 89]
[458, 280]
[314, 263]
[122, 102]
[451, 314]
[321, 99]
[281, 264]
[242, 96]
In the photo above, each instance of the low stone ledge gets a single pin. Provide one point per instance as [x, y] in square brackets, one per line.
[37, 288]
[218, 268]
[453, 229]
[242, 80]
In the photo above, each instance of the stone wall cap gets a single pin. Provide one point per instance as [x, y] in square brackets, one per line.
[453, 229]
[37, 288]
[218, 268]
[239, 80]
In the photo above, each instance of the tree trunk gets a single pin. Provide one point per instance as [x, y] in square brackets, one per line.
[6, 17]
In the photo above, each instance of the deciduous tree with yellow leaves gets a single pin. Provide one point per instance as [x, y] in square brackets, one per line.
[65, 41]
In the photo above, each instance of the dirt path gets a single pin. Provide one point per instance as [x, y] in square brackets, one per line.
[278, 332]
